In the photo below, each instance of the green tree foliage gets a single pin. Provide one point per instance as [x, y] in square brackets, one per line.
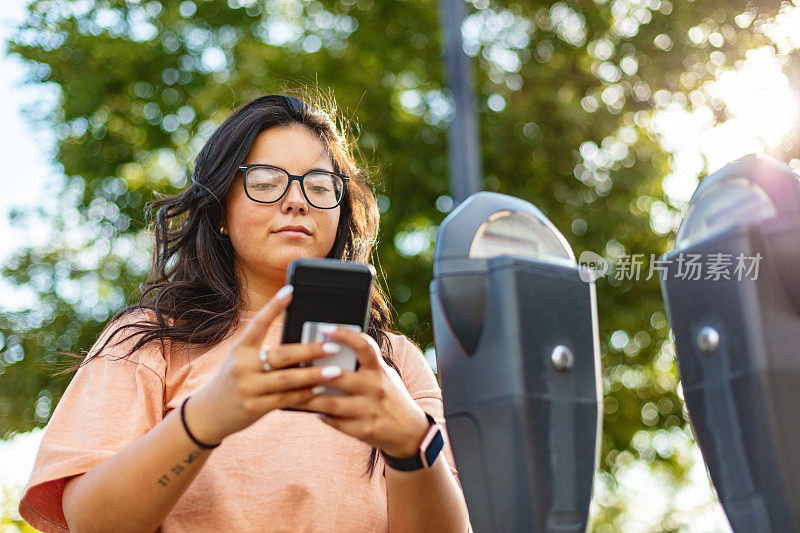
[565, 97]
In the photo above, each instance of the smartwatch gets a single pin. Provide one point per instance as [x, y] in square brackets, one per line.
[432, 444]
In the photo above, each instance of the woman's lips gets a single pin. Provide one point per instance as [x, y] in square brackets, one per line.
[292, 234]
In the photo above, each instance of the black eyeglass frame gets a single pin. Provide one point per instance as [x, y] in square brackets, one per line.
[292, 177]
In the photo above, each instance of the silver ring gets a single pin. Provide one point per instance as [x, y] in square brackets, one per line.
[262, 356]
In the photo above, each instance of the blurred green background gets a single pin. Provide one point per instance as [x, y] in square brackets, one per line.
[603, 113]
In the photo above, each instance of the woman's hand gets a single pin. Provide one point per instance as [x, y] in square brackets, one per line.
[241, 391]
[377, 408]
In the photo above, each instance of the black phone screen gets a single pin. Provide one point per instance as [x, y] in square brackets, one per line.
[327, 290]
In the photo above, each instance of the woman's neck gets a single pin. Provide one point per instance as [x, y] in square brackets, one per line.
[258, 292]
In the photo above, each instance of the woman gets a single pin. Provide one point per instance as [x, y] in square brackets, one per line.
[187, 433]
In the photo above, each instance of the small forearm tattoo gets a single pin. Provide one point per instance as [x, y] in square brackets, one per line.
[178, 468]
[192, 456]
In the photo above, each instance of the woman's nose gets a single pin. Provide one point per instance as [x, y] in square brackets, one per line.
[294, 198]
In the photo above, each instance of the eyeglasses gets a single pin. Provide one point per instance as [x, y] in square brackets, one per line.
[267, 184]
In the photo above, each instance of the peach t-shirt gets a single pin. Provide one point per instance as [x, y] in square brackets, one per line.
[288, 471]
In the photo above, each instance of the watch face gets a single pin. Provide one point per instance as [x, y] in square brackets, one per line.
[433, 449]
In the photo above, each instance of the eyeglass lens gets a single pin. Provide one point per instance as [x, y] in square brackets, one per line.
[269, 184]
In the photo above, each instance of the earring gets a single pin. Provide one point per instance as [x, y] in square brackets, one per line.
[222, 230]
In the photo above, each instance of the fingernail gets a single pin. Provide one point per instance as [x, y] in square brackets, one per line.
[319, 389]
[285, 291]
[331, 372]
[331, 347]
[327, 328]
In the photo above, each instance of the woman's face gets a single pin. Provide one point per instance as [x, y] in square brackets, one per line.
[264, 252]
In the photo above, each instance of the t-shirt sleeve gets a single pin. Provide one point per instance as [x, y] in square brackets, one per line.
[424, 389]
[109, 403]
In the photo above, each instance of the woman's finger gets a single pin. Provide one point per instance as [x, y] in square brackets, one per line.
[359, 383]
[292, 378]
[367, 350]
[342, 406]
[256, 331]
[269, 402]
[283, 355]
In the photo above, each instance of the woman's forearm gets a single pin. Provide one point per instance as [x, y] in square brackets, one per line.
[135, 489]
[427, 499]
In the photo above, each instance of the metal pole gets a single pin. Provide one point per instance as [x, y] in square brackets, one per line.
[463, 145]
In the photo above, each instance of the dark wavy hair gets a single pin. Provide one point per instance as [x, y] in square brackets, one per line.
[193, 291]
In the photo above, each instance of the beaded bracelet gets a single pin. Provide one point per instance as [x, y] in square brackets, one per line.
[183, 419]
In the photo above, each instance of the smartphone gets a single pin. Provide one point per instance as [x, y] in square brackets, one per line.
[327, 290]
[345, 359]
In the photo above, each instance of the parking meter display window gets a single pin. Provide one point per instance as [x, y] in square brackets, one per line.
[730, 201]
[514, 232]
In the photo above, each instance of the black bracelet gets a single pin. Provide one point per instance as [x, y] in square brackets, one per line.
[183, 419]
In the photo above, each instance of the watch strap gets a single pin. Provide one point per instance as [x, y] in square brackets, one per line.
[429, 450]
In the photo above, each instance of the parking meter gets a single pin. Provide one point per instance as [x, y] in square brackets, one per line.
[735, 317]
[515, 330]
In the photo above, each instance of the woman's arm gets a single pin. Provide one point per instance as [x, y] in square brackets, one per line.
[428, 499]
[136, 488]
[379, 410]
